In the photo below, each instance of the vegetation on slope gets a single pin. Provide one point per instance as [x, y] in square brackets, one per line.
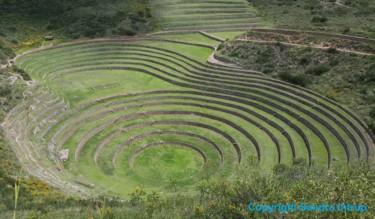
[344, 77]
[5, 53]
[229, 199]
[24, 24]
[73, 19]
[340, 16]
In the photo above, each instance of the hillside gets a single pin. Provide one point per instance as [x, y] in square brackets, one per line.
[355, 17]
[340, 72]
[25, 24]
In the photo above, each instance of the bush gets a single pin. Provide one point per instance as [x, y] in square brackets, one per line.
[299, 79]
[332, 50]
[334, 62]
[299, 162]
[52, 27]
[370, 74]
[221, 45]
[346, 30]
[24, 75]
[318, 70]
[14, 41]
[280, 168]
[127, 32]
[304, 60]
[5, 91]
[372, 113]
[319, 19]
[281, 46]
[371, 125]
[6, 50]
[264, 55]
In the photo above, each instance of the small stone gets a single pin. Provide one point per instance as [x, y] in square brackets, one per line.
[63, 155]
[48, 37]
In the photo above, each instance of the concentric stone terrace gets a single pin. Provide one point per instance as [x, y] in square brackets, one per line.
[137, 113]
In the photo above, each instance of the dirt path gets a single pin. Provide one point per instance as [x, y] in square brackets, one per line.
[314, 33]
[317, 46]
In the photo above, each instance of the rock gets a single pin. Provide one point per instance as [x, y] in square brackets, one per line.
[36, 130]
[12, 79]
[48, 37]
[63, 155]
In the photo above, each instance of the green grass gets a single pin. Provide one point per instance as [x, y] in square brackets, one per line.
[167, 163]
[95, 131]
[77, 88]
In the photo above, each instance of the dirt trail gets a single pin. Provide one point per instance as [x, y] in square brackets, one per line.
[317, 46]
[314, 33]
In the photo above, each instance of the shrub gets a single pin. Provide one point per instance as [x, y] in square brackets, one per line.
[280, 168]
[281, 46]
[5, 91]
[12, 29]
[6, 50]
[332, 50]
[372, 113]
[299, 162]
[123, 31]
[14, 41]
[318, 70]
[221, 45]
[299, 79]
[334, 62]
[370, 74]
[52, 27]
[346, 30]
[319, 19]
[307, 49]
[371, 125]
[24, 75]
[264, 55]
[304, 60]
